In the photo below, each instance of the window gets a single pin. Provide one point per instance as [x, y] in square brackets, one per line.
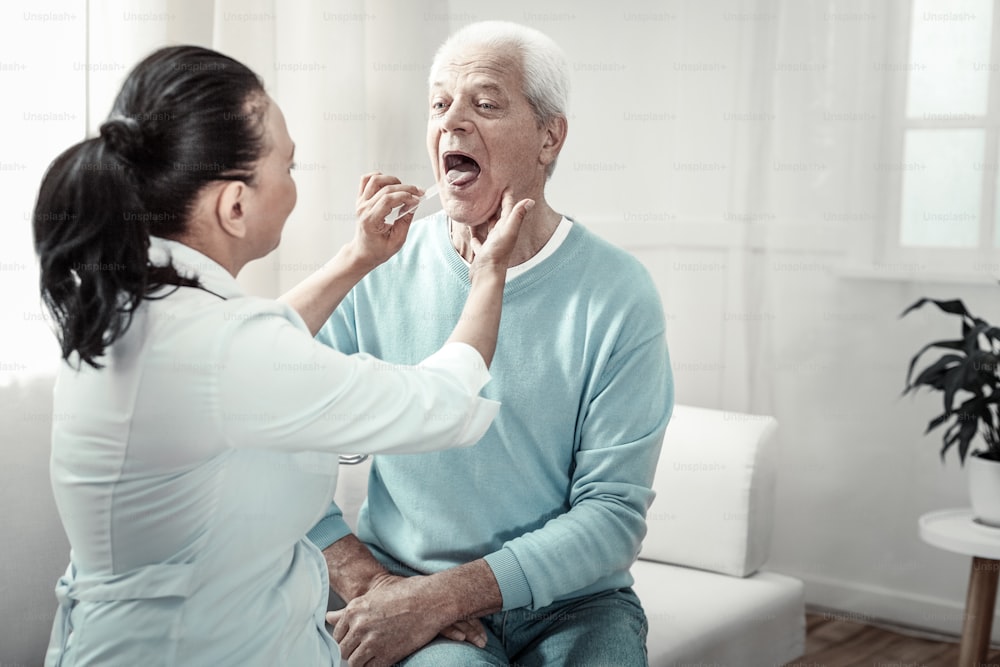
[943, 206]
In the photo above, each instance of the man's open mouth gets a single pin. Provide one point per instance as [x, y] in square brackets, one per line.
[460, 169]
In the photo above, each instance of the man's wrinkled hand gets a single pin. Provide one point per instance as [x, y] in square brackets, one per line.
[466, 630]
[397, 616]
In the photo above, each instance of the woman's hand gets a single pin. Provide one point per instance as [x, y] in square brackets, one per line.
[316, 297]
[493, 251]
[374, 241]
[491, 246]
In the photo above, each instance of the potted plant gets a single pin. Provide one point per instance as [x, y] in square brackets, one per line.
[968, 377]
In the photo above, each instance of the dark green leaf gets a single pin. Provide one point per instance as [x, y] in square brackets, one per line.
[953, 381]
[965, 436]
[937, 421]
[954, 306]
[931, 375]
[971, 334]
[946, 344]
[950, 436]
[969, 375]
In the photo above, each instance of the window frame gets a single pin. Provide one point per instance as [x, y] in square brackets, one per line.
[890, 252]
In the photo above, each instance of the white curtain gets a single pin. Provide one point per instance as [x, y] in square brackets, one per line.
[347, 80]
[807, 184]
[348, 75]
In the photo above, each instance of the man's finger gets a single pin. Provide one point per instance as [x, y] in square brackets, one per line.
[453, 633]
[334, 618]
[349, 647]
[474, 632]
[477, 636]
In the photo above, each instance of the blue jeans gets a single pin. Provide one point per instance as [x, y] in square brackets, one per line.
[602, 630]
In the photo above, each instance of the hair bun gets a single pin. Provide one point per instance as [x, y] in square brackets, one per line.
[123, 135]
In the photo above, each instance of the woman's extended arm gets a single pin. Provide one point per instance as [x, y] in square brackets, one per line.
[316, 297]
[305, 396]
[480, 319]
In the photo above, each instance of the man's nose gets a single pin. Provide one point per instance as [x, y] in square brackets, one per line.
[455, 119]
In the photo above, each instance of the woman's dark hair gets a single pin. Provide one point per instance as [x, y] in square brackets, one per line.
[185, 117]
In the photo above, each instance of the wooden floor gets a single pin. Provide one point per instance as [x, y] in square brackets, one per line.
[832, 641]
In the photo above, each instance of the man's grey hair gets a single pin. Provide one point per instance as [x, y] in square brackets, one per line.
[544, 68]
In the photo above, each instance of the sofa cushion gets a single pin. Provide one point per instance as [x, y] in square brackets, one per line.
[702, 618]
[714, 492]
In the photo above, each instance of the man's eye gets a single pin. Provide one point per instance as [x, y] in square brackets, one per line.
[437, 105]
[486, 106]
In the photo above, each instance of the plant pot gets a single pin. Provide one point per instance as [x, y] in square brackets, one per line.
[984, 489]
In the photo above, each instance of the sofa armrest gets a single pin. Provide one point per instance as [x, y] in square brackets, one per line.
[714, 492]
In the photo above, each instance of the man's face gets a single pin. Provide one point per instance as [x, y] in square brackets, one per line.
[482, 135]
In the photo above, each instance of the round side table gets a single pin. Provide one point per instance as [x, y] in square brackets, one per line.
[956, 530]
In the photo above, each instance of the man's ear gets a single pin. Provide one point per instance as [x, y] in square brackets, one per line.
[554, 138]
[230, 209]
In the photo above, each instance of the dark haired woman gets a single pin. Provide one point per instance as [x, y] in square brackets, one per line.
[203, 425]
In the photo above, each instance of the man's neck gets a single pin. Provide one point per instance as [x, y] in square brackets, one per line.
[536, 230]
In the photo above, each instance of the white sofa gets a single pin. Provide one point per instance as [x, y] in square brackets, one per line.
[698, 575]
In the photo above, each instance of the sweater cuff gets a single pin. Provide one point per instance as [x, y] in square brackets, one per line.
[327, 531]
[510, 577]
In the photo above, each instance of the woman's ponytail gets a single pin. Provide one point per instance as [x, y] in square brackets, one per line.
[93, 243]
[185, 117]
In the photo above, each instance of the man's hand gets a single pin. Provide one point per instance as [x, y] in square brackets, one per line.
[467, 630]
[397, 616]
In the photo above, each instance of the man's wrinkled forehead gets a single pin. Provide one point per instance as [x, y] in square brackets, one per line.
[486, 67]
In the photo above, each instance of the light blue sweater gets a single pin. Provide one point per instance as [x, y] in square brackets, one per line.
[554, 496]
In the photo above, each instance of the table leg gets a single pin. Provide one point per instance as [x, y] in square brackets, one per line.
[979, 612]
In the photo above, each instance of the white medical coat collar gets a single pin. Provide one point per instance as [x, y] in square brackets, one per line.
[190, 263]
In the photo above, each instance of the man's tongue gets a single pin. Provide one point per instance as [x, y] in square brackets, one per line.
[463, 173]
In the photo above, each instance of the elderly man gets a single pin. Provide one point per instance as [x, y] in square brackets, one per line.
[533, 529]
